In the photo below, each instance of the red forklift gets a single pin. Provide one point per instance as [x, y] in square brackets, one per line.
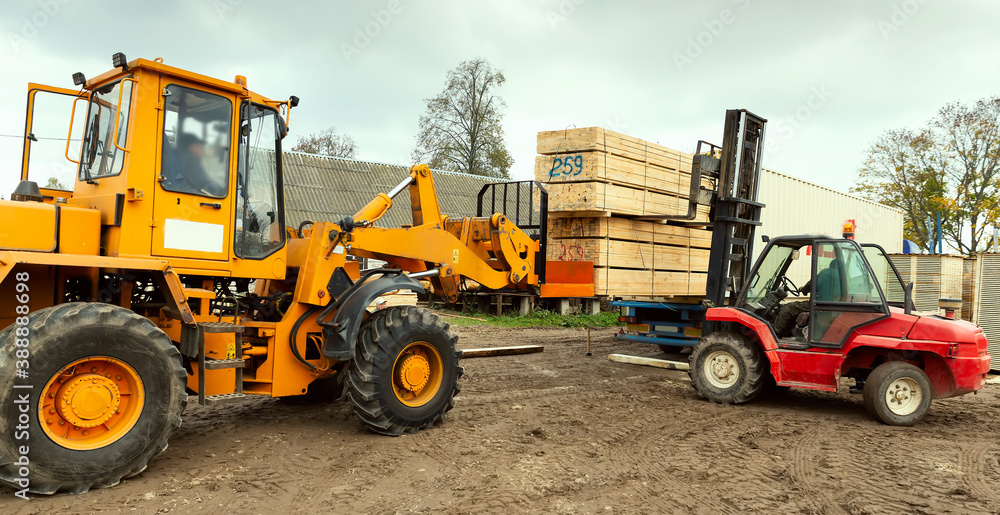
[854, 318]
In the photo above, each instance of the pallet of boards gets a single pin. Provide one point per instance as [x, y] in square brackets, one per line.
[599, 171]
[968, 288]
[627, 229]
[633, 258]
[934, 277]
[615, 199]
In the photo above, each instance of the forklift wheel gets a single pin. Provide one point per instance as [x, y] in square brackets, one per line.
[727, 369]
[898, 393]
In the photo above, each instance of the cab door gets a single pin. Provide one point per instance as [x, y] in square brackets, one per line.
[51, 146]
[193, 207]
[845, 293]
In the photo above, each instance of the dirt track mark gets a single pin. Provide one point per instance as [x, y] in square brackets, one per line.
[972, 465]
[806, 455]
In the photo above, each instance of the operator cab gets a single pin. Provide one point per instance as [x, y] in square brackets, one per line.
[844, 285]
[181, 166]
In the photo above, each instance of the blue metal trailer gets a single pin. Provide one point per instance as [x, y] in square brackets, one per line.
[661, 323]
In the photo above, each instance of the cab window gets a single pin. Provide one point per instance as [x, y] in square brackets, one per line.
[846, 293]
[197, 134]
[768, 273]
[885, 274]
[260, 221]
[100, 156]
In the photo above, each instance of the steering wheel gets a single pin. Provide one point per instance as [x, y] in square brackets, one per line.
[788, 285]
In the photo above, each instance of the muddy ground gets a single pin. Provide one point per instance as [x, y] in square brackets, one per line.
[559, 432]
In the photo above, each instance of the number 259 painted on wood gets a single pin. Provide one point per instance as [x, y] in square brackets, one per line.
[569, 166]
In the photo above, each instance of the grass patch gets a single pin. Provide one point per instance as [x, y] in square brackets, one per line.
[538, 318]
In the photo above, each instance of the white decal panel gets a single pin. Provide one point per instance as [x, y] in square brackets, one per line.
[197, 236]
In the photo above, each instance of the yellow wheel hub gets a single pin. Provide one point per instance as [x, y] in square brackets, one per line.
[88, 400]
[91, 403]
[417, 374]
[414, 373]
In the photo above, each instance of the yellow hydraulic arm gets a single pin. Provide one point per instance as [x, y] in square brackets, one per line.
[489, 250]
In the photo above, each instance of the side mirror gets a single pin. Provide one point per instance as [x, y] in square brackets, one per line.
[908, 301]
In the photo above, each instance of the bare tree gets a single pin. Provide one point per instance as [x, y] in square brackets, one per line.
[56, 184]
[461, 130]
[951, 167]
[327, 143]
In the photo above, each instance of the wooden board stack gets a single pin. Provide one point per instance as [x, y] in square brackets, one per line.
[599, 182]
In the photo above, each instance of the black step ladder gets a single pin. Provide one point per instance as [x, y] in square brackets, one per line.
[193, 337]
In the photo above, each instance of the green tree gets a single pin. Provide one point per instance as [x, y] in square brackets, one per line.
[970, 136]
[462, 128]
[327, 143]
[901, 169]
[951, 166]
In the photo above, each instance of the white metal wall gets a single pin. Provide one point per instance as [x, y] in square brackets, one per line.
[986, 310]
[794, 206]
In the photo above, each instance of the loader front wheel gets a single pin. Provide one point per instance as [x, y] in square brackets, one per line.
[405, 373]
[91, 391]
[726, 369]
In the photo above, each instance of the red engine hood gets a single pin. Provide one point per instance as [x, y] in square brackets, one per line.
[937, 328]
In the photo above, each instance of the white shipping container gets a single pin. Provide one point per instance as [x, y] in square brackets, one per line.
[794, 206]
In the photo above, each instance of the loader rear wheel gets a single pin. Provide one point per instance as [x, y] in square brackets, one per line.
[726, 369]
[898, 393]
[405, 375]
[104, 391]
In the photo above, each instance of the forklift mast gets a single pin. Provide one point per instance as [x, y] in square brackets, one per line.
[735, 212]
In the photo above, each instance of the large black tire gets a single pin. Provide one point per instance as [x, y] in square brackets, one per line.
[726, 369]
[383, 340]
[65, 334]
[898, 393]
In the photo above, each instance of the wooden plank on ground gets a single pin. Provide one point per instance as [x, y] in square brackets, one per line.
[649, 362]
[501, 351]
[440, 314]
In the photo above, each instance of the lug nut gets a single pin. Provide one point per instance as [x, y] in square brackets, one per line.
[48, 421]
[61, 423]
[118, 378]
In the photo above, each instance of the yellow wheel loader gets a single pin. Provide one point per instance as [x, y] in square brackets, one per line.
[164, 268]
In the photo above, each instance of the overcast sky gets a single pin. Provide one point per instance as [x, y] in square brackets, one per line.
[829, 76]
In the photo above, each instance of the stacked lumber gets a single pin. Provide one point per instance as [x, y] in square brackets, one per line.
[599, 182]
[596, 170]
[934, 277]
[968, 288]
